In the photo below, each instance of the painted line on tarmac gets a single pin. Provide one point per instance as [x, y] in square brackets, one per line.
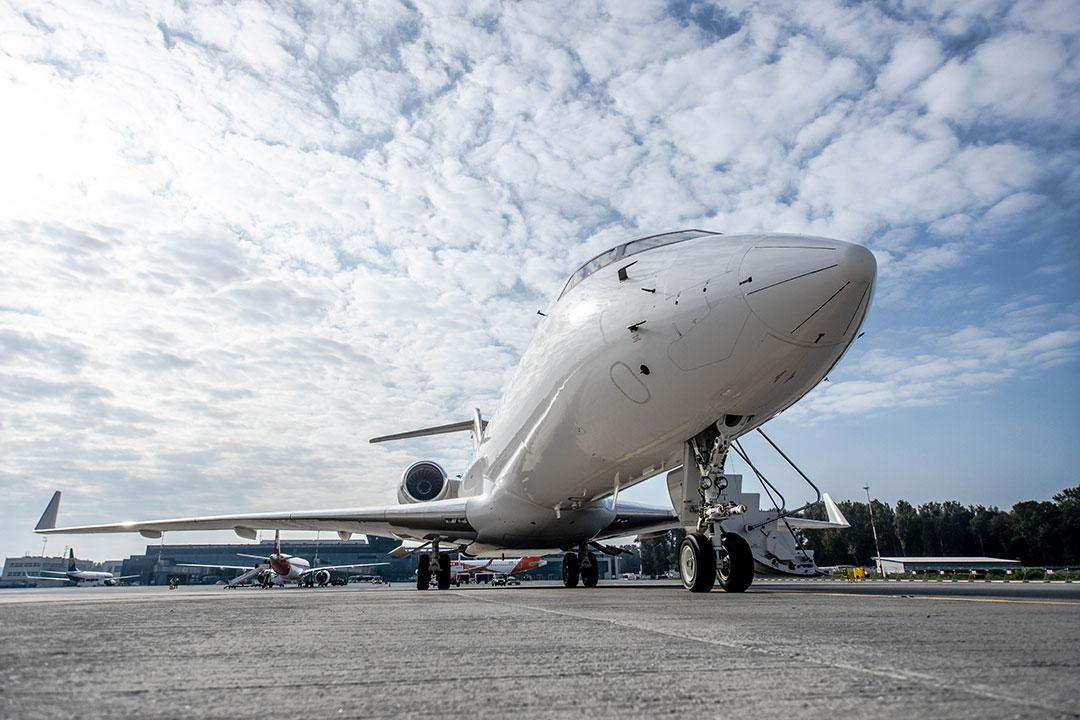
[956, 598]
[803, 659]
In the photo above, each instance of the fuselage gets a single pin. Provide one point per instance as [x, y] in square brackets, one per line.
[91, 577]
[286, 568]
[507, 566]
[643, 350]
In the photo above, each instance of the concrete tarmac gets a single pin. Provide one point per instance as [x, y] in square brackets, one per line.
[793, 649]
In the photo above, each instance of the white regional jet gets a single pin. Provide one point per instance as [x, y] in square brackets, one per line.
[657, 355]
[80, 577]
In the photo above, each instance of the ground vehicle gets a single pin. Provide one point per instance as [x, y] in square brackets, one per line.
[339, 581]
[511, 580]
[498, 580]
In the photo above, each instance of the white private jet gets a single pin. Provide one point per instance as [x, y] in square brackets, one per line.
[77, 576]
[277, 568]
[657, 355]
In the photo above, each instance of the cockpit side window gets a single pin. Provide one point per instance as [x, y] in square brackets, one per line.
[625, 250]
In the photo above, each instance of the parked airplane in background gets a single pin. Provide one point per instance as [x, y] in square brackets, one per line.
[496, 566]
[657, 356]
[277, 568]
[80, 577]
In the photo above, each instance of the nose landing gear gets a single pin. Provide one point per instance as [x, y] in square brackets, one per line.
[710, 555]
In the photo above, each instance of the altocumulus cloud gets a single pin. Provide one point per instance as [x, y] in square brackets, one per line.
[236, 241]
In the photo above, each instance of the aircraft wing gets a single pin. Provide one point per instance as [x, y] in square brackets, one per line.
[631, 518]
[441, 519]
[54, 579]
[55, 574]
[216, 567]
[126, 577]
[342, 567]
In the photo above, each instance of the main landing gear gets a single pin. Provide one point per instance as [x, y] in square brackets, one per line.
[582, 565]
[425, 568]
[710, 554]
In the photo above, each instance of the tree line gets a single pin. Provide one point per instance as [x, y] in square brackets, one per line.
[1037, 533]
[1034, 532]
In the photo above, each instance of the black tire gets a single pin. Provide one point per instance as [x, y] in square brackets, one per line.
[697, 563]
[590, 571]
[570, 570]
[443, 574]
[423, 572]
[735, 564]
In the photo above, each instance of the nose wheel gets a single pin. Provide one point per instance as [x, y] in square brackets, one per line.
[734, 563]
[697, 563]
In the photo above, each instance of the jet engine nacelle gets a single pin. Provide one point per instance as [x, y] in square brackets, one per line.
[322, 577]
[425, 481]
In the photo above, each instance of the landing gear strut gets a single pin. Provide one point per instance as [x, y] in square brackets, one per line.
[712, 554]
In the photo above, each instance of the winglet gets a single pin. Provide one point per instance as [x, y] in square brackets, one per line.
[835, 516]
[476, 425]
[48, 518]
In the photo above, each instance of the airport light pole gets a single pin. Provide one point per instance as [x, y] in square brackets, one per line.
[873, 527]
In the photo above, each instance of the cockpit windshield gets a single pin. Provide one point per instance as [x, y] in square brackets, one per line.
[626, 250]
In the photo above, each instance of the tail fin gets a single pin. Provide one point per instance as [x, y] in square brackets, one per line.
[71, 560]
[277, 542]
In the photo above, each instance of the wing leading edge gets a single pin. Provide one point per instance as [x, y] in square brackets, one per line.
[443, 519]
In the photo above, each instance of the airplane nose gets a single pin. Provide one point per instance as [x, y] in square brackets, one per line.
[808, 290]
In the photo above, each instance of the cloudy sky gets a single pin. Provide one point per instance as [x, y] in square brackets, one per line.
[237, 241]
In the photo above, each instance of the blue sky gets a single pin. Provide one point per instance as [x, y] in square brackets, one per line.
[237, 241]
